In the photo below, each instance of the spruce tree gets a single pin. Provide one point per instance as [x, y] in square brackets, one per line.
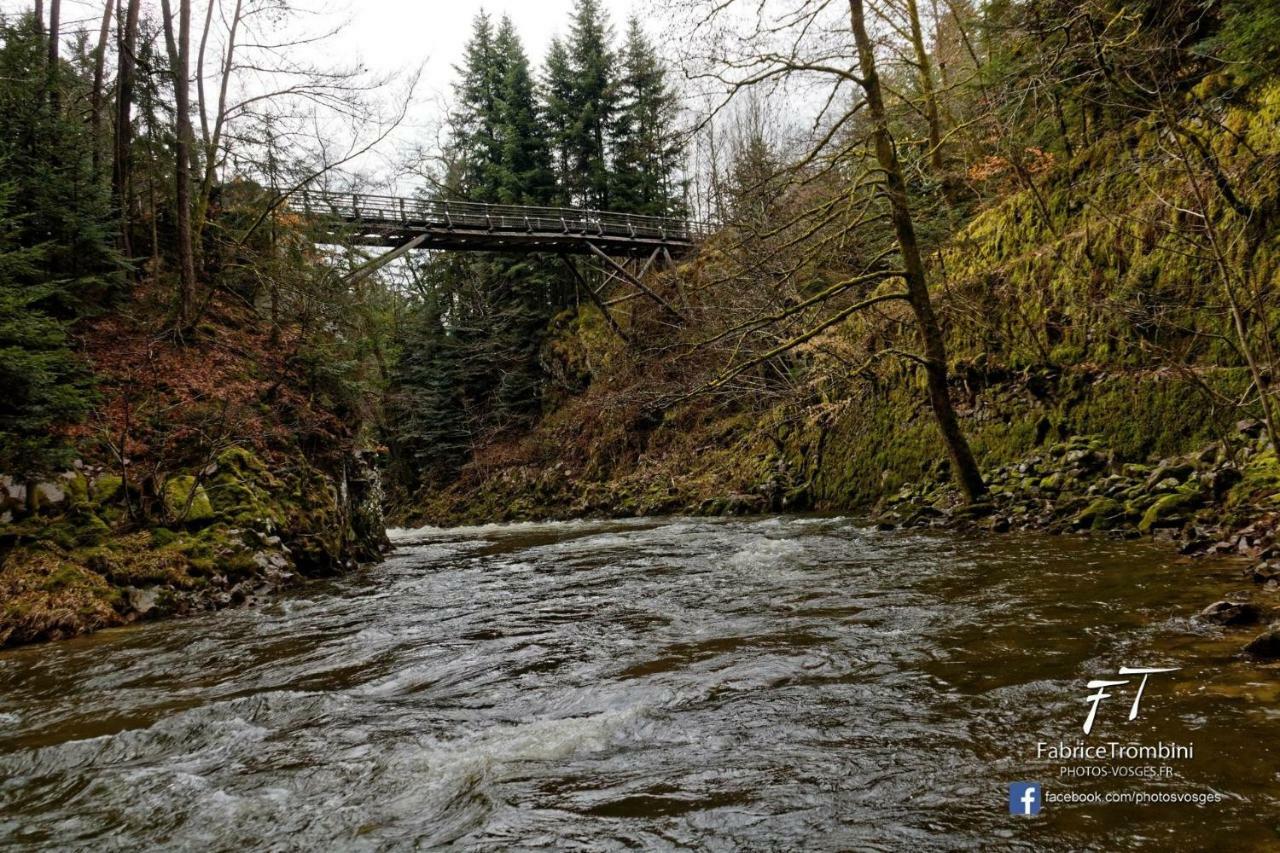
[476, 117]
[524, 173]
[558, 94]
[56, 262]
[582, 104]
[470, 362]
[646, 143]
[45, 384]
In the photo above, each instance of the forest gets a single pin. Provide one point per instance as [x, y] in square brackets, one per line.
[1009, 265]
[639, 424]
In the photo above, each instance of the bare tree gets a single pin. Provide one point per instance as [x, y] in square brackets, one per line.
[852, 207]
[99, 76]
[211, 138]
[935, 349]
[122, 168]
[179, 46]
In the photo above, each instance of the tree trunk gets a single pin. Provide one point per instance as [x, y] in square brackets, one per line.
[99, 74]
[212, 139]
[180, 58]
[122, 168]
[925, 69]
[965, 468]
[51, 74]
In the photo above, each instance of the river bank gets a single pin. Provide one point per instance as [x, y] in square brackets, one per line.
[80, 555]
[1108, 456]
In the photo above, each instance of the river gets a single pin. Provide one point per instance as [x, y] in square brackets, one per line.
[776, 683]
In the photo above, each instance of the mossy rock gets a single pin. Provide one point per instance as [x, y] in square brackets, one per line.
[186, 500]
[244, 492]
[77, 488]
[1053, 482]
[1261, 477]
[1101, 514]
[1168, 508]
[106, 487]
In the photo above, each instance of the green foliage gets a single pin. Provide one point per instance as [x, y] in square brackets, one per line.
[48, 160]
[1248, 36]
[582, 105]
[45, 383]
[646, 146]
[429, 424]
[56, 261]
[499, 141]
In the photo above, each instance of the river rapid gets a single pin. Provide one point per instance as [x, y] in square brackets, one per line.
[775, 683]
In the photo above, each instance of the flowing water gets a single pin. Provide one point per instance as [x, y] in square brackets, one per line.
[798, 683]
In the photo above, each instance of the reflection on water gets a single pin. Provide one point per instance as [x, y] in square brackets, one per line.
[780, 683]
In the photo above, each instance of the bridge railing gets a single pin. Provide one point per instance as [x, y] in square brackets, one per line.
[472, 216]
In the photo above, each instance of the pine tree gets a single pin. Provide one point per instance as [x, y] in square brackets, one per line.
[48, 156]
[559, 93]
[429, 425]
[524, 173]
[56, 263]
[477, 117]
[581, 106]
[646, 146]
[45, 385]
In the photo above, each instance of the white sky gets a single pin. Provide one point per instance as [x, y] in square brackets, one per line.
[401, 34]
[392, 37]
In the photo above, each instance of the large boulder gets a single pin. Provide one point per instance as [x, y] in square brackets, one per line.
[1266, 645]
[1231, 613]
[185, 500]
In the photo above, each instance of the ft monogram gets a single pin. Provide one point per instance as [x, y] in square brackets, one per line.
[1101, 686]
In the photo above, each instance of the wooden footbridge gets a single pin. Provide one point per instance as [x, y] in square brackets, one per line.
[393, 221]
[404, 224]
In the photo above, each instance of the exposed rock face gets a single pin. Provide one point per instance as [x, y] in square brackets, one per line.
[227, 534]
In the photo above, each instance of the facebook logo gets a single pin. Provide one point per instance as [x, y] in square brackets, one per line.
[1024, 798]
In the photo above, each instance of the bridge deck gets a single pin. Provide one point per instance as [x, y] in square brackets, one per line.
[374, 220]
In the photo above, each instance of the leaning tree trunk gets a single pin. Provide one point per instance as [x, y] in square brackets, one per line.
[932, 115]
[935, 350]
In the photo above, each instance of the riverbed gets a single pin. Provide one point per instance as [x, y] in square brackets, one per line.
[673, 683]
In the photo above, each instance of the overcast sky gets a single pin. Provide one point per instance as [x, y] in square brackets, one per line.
[395, 34]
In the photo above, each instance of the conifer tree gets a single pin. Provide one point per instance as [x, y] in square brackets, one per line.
[558, 93]
[476, 117]
[582, 104]
[646, 145]
[56, 262]
[523, 154]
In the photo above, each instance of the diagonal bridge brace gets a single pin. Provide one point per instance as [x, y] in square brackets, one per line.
[623, 273]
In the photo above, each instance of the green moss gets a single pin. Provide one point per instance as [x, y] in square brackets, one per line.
[1101, 514]
[1167, 507]
[185, 500]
